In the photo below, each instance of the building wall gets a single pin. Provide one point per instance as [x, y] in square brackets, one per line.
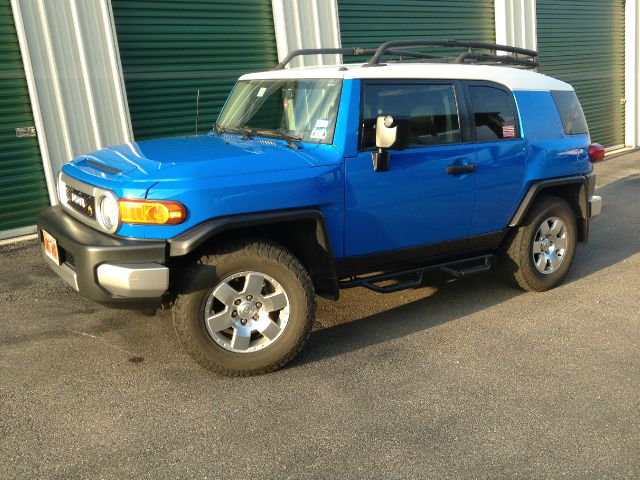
[76, 92]
[72, 58]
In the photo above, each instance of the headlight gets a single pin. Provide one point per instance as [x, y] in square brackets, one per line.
[108, 213]
[157, 212]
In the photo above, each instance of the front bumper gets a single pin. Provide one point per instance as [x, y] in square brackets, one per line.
[121, 272]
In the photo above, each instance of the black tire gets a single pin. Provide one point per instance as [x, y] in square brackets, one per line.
[250, 255]
[516, 256]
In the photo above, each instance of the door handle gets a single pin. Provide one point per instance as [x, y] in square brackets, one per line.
[458, 169]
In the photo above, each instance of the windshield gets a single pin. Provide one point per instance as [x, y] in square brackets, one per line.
[306, 109]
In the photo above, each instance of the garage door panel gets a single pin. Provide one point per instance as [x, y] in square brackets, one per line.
[23, 188]
[170, 50]
[582, 43]
[368, 23]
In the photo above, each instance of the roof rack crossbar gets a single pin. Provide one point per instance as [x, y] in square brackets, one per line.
[504, 59]
[349, 51]
[530, 60]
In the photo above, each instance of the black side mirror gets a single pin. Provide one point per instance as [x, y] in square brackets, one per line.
[391, 132]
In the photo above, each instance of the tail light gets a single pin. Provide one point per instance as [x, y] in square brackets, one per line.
[596, 152]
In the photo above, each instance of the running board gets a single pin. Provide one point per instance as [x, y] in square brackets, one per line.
[464, 268]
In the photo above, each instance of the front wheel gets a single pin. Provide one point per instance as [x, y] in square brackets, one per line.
[247, 309]
[538, 254]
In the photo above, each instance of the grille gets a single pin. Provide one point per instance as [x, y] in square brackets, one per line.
[81, 202]
[69, 259]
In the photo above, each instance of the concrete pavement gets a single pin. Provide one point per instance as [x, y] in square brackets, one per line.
[472, 379]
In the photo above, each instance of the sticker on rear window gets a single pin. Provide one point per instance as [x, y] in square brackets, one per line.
[261, 92]
[508, 131]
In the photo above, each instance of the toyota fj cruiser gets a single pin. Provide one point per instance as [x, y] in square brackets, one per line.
[317, 179]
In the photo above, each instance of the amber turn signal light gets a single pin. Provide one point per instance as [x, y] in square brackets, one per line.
[157, 212]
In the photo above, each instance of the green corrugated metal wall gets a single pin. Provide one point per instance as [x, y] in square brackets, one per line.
[367, 23]
[23, 188]
[171, 49]
[582, 43]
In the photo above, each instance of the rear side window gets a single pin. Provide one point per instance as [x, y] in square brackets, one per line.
[494, 114]
[571, 113]
[432, 111]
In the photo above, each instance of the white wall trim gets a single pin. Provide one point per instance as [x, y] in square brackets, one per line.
[515, 22]
[632, 72]
[116, 68]
[55, 79]
[337, 39]
[279, 23]
[35, 105]
[85, 74]
[74, 76]
[306, 24]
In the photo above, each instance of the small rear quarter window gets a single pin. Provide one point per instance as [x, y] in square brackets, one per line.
[571, 113]
[494, 114]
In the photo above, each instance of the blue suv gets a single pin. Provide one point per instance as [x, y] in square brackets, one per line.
[316, 179]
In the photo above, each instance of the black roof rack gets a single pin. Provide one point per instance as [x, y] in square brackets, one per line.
[512, 56]
[349, 51]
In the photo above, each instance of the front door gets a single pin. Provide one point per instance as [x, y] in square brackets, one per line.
[416, 202]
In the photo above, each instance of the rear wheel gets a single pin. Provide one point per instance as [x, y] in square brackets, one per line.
[538, 254]
[246, 310]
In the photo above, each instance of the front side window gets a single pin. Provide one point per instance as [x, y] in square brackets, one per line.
[494, 115]
[432, 111]
[302, 108]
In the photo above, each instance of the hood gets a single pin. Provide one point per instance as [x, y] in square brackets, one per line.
[202, 156]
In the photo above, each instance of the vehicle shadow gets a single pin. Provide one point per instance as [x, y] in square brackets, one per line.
[614, 237]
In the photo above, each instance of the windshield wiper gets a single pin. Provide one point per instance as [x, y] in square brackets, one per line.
[283, 135]
[245, 132]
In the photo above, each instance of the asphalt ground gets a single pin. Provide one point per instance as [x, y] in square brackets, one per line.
[471, 379]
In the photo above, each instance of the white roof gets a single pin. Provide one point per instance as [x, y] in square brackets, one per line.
[514, 78]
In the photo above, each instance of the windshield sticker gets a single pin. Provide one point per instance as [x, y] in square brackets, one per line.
[319, 132]
[261, 92]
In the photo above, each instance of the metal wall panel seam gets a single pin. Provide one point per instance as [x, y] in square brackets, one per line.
[116, 69]
[515, 23]
[55, 79]
[289, 19]
[85, 73]
[280, 26]
[302, 61]
[316, 27]
[35, 104]
[333, 6]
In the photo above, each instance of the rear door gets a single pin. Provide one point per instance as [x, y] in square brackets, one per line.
[500, 155]
[415, 203]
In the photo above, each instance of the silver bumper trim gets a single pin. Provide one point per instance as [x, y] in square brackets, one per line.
[134, 280]
[595, 205]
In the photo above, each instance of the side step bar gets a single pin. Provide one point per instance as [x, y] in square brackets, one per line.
[464, 268]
